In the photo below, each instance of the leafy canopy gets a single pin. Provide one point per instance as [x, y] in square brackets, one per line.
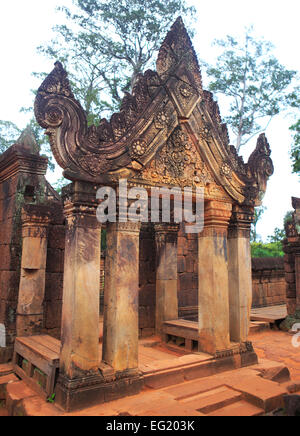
[256, 84]
[105, 44]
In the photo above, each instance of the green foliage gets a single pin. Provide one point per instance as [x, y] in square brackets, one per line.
[9, 133]
[258, 212]
[271, 249]
[51, 399]
[274, 246]
[106, 44]
[59, 184]
[256, 84]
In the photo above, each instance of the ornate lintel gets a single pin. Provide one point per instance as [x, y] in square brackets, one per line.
[129, 227]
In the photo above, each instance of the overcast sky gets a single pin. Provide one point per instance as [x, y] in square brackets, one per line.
[25, 24]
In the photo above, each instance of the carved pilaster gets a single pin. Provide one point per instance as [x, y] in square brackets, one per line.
[166, 273]
[80, 318]
[35, 220]
[240, 274]
[240, 223]
[120, 330]
[213, 297]
[216, 219]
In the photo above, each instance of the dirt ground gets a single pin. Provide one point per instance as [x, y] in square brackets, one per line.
[276, 345]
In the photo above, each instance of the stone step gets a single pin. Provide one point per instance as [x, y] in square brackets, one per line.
[6, 369]
[4, 381]
[15, 393]
[212, 400]
[264, 394]
[292, 387]
[259, 326]
[3, 409]
[241, 408]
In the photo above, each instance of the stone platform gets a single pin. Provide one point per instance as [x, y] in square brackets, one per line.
[270, 314]
[251, 391]
[243, 392]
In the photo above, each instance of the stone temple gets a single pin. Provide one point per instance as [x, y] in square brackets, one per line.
[82, 321]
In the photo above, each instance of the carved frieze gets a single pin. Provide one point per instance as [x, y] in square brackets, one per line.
[144, 140]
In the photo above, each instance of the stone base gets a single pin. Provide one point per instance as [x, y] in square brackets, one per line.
[77, 394]
[226, 362]
[6, 354]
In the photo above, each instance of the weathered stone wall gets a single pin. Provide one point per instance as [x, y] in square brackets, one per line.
[21, 181]
[268, 278]
[290, 275]
[147, 278]
[10, 251]
[187, 274]
[54, 274]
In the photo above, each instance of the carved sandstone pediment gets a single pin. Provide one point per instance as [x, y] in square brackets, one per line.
[139, 142]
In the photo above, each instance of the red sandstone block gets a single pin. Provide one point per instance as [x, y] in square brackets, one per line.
[182, 246]
[8, 209]
[54, 286]
[16, 392]
[9, 255]
[185, 281]
[241, 408]
[4, 381]
[9, 285]
[53, 314]
[262, 393]
[8, 188]
[146, 317]
[6, 231]
[189, 264]
[164, 378]
[147, 295]
[290, 277]
[181, 264]
[55, 260]
[56, 238]
[193, 246]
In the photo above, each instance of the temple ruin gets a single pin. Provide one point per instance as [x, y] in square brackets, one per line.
[168, 134]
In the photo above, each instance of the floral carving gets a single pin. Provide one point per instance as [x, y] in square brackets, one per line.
[186, 91]
[205, 132]
[161, 120]
[138, 148]
[178, 164]
[226, 170]
[94, 165]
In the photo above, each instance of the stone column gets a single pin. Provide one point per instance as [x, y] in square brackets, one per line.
[120, 332]
[297, 278]
[213, 279]
[240, 273]
[166, 236]
[80, 313]
[33, 270]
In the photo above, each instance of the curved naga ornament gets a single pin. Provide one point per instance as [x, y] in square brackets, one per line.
[162, 103]
[87, 153]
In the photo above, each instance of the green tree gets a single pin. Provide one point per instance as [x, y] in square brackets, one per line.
[274, 246]
[105, 45]
[258, 212]
[295, 128]
[271, 249]
[256, 84]
[9, 133]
